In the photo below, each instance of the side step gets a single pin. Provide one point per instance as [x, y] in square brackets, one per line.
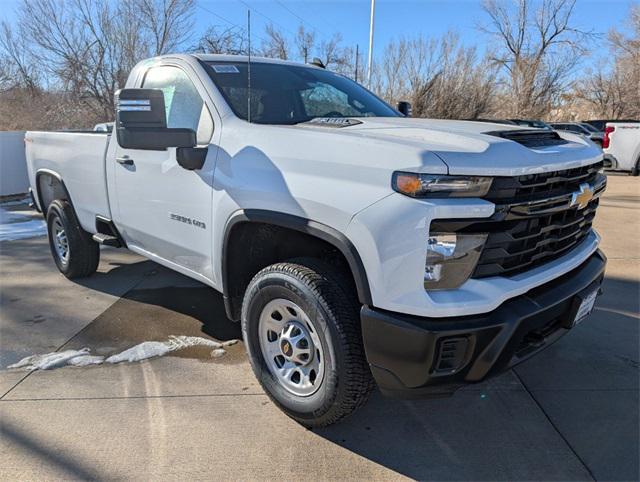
[107, 233]
[107, 240]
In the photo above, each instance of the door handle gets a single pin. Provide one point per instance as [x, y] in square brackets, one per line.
[124, 160]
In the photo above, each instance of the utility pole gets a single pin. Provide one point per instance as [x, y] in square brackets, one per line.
[373, 11]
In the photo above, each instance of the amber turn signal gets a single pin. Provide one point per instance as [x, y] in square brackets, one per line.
[409, 184]
[437, 186]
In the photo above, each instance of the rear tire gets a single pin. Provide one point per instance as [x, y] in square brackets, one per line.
[301, 327]
[76, 255]
[636, 170]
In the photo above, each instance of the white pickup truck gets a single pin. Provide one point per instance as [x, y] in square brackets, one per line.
[621, 146]
[356, 246]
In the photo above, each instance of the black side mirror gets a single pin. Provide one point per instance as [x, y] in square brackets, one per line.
[141, 122]
[404, 108]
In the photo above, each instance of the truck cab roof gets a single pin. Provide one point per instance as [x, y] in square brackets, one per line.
[245, 58]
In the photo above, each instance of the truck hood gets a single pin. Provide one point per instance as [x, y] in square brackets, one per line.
[467, 148]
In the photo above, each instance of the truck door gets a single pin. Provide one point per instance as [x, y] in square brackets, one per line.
[164, 210]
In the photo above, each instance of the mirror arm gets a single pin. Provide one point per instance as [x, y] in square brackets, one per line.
[191, 158]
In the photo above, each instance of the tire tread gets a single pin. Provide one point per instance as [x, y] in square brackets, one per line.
[84, 251]
[333, 290]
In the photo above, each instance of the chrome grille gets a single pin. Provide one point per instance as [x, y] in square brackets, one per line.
[536, 219]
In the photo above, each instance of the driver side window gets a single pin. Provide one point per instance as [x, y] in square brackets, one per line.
[183, 104]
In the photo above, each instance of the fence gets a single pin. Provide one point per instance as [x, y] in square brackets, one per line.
[13, 164]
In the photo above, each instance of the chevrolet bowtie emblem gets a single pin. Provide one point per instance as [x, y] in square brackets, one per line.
[582, 197]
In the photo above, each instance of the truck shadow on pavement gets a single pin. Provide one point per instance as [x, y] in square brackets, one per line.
[160, 304]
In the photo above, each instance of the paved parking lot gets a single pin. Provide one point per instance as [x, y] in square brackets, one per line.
[570, 413]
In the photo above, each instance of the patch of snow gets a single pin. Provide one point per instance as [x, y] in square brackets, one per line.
[147, 349]
[86, 360]
[50, 360]
[142, 351]
[15, 225]
[182, 341]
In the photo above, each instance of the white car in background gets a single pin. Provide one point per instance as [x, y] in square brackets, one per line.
[621, 146]
[103, 127]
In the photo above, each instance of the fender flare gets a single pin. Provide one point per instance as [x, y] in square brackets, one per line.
[49, 172]
[304, 225]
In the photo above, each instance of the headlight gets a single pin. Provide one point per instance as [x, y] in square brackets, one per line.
[451, 258]
[429, 185]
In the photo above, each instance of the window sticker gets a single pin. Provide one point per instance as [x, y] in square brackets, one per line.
[226, 69]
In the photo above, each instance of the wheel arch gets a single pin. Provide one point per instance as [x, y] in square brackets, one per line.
[54, 189]
[311, 230]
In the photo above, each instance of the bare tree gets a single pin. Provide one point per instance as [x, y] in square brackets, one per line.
[88, 47]
[331, 53]
[612, 89]
[219, 40]
[537, 50]
[17, 67]
[305, 42]
[440, 77]
[168, 23]
[276, 44]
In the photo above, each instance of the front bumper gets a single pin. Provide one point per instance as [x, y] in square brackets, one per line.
[417, 357]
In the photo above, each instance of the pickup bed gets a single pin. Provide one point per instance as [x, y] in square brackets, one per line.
[356, 246]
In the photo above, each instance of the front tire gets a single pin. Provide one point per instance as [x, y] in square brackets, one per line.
[301, 327]
[76, 255]
[636, 169]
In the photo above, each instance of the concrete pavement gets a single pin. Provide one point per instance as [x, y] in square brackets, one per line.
[571, 413]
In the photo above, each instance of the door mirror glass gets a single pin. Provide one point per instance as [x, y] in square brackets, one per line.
[141, 122]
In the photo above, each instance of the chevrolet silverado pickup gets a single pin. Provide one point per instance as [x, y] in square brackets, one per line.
[356, 246]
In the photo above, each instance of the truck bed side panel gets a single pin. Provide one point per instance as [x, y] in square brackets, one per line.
[624, 146]
[79, 160]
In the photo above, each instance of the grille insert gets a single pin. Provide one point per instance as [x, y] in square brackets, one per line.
[534, 221]
[509, 190]
[516, 246]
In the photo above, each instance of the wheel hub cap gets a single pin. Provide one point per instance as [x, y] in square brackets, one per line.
[60, 241]
[291, 347]
[295, 343]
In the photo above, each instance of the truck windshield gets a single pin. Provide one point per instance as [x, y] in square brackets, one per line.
[289, 94]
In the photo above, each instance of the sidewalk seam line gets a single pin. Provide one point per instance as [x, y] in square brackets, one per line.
[140, 397]
[546, 415]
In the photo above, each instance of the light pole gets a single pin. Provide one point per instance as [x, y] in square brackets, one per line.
[370, 63]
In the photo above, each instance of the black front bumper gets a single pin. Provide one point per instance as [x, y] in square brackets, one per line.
[416, 357]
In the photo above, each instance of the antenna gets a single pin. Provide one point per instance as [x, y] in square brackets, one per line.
[357, 55]
[370, 63]
[249, 68]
